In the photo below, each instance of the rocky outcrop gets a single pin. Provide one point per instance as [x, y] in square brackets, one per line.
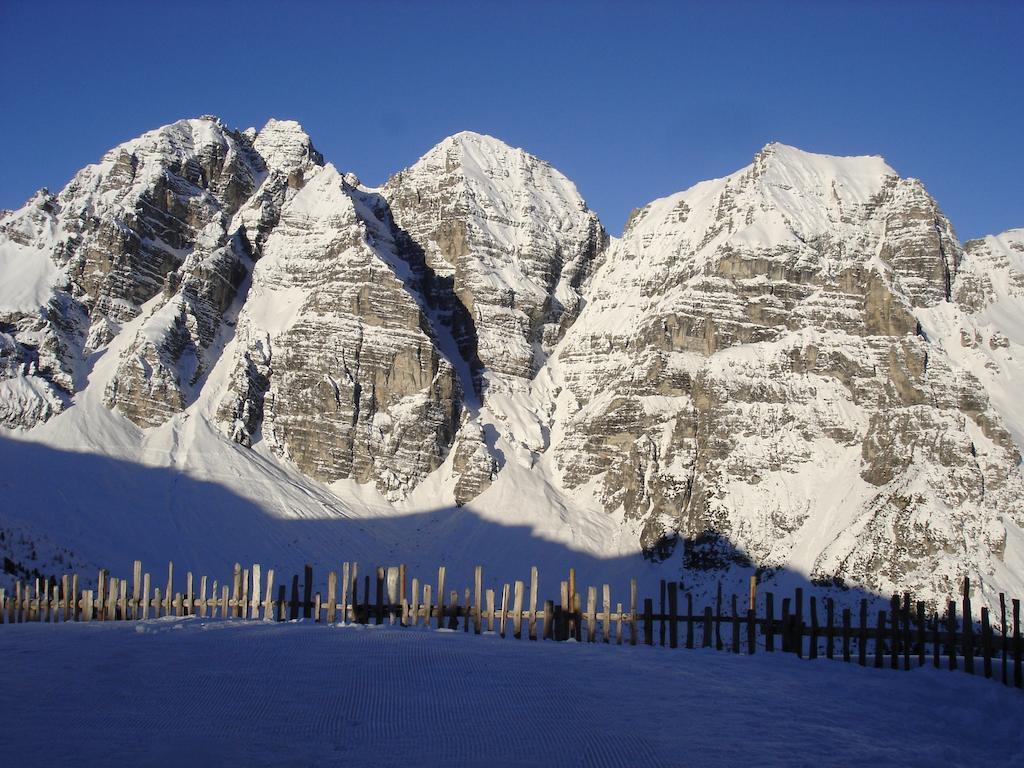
[175, 347]
[506, 241]
[352, 384]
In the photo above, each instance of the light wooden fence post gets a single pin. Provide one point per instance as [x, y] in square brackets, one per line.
[632, 612]
[490, 610]
[517, 611]
[478, 578]
[169, 594]
[136, 586]
[345, 592]
[145, 596]
[591, 614]
[257, 584]
[440, 597]
[202, 596]
[332, 595]
[504, 610]
[533, 603]
[606, 595]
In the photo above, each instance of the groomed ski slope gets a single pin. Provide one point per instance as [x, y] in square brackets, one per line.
[191, 692]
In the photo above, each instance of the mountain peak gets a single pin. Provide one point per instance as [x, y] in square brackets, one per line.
[799, 167]
[285, 146]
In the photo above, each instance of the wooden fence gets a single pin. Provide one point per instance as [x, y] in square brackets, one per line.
[900, 638]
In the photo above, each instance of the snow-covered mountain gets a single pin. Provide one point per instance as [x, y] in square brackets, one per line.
[796, 369]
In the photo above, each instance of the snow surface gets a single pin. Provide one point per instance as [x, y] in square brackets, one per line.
[174, 691]
[29, 276]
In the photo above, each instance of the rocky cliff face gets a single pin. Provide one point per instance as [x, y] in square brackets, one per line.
[796, 366]
[750, 374]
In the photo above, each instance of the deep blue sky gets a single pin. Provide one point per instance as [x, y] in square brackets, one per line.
[632, 101]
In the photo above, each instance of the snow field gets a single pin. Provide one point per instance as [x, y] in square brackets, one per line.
[171, 691]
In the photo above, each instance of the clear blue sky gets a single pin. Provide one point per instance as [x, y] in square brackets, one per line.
[632, 101]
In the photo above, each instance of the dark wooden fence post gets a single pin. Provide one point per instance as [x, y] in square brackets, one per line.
[769, 621]
[968, 634]
[986, 643]
[752, 630]
[951, 634]
[648, 621]
[798, 623]
[1018, 647]
[735, 626]
[830, 631]
[662, 590]
[880, 641]
[812, 650]
[846, 635]
[718, 618]
[689, 620]
[673, 616]
[379, 607]
[922, 650]
[706, 639]
[894, 628]
[307, 592]
[862, 634]
[1002, 630]
[787, 629]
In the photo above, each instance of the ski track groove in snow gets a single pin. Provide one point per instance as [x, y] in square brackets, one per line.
[172, 691]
